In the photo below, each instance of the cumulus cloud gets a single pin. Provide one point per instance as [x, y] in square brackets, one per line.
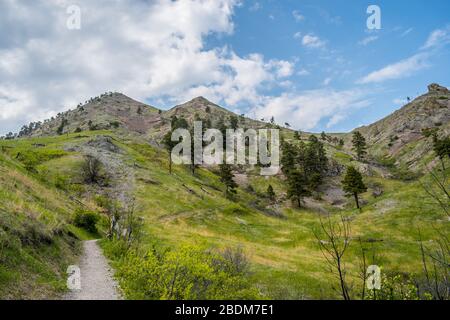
[305, 110]
[148, 50]
[298, 16]
[397, 70]
[312, 41]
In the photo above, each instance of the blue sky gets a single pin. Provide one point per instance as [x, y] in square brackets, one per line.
[312, 63]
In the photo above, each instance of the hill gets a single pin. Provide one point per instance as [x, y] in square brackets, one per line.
[44, 178]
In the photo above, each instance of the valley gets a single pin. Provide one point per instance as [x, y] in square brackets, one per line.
[183, 219]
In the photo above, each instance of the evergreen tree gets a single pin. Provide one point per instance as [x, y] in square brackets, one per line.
[270, 193]
[226, 177]
[288, 157]
[359, 145]
[296, 135]
[341, 142]
[234, 121]
[323, 136]
[353, 184]
[297, 187]
[272, 120]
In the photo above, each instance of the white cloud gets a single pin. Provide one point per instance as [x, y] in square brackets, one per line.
[438, 37]
[255, 7]
[406, 32]
[306, 109]
[312, 41]
[326, 81]
[298, 35]
[367, 40]
[397, 70]
[298, 16]
[150, 49]
[303, 72]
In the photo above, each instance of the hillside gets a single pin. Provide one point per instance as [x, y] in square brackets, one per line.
[42, 182]
[400, 136]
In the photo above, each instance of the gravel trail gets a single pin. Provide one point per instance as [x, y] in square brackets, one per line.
[97, 281]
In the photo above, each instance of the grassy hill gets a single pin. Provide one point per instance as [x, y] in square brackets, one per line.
[42, 187]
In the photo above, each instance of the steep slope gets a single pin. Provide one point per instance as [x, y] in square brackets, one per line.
[108, 111]
[400, 136]
[36, 245]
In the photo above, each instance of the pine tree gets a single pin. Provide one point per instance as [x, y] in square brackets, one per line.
[288, 157]
[234, 121]
[323, 136]
[359, 145]
[226, 177]
[353, 184]
[297, 187]
[270, 193]
[341, 142]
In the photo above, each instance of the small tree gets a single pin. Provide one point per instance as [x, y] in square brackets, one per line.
[91, 169]
[270, 193]
[296, 135]
[359, 145]
[226, 177]
[323, 136]
[341, 142]
[234, 121]
[169, 144]
[297, 187]
[353, 184]
[333, 238]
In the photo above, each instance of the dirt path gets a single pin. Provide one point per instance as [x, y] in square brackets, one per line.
[97, 282]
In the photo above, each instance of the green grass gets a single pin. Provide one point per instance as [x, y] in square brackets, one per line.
[184, 209]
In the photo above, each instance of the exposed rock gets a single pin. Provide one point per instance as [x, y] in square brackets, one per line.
[434, 87]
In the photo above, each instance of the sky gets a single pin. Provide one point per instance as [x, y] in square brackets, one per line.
[313, 64]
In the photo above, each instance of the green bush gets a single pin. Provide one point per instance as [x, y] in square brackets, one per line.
[86, 220]
[187, 273]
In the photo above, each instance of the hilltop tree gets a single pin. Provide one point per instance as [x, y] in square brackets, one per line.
[297, 187]
[272, 120]
[359, 145]
[226, 177]
[353, 184]
[323, 136]
[270, 193]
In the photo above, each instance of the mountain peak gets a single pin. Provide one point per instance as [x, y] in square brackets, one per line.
[200, 99]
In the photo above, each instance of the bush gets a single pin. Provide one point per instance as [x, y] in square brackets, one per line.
[190, 272]
[86, 220]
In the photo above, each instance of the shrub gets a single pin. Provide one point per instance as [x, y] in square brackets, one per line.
[190, 272]
[86, 220]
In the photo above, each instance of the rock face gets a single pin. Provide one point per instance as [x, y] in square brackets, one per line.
[400, 135]
[434, 87]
